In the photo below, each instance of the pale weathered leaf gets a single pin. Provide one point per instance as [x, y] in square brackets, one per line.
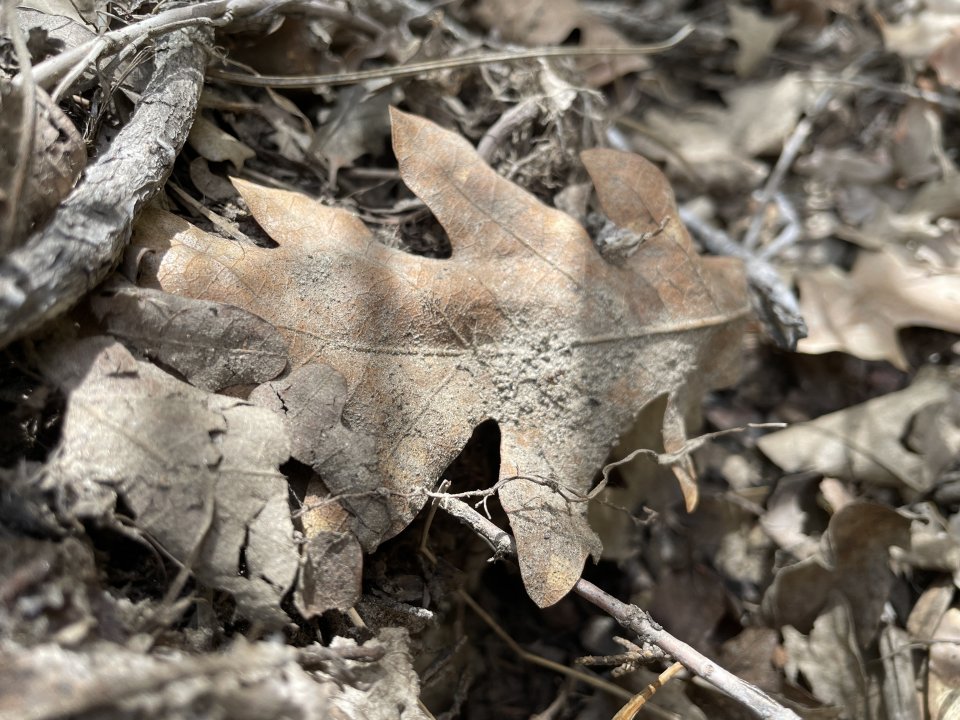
[244, 681]
[863, 443]
[945, 61]
[756, 36]
[310, 400]
[212, 345]
[198, 471]
[551, 22]
[330, 576]
[57, 158]
[73, 9]
[900, 697]
[853, 562]
[943, 677]
[916, 145]
[217, 145]
[357, 125]
[525, 324]
[831, 662]
[918, 34]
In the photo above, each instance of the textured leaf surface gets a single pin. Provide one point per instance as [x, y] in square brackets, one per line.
[213, 345]
[199, 472]
[525, 324]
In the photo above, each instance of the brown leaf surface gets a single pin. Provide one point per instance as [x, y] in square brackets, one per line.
[552, 22]
[860, 312]
[831, 661]
[57, 158]
[853, 561]
[526, 324]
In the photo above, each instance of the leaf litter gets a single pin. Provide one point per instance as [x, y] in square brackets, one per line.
[147, 519]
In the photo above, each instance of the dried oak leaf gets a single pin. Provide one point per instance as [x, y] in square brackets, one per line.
[866, 442]
[556, 22]
[525, 324]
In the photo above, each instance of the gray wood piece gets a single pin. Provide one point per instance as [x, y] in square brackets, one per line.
[86, 236]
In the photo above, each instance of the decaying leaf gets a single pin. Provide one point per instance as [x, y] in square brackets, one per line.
[919, 33]
[945, 61]
[853, 563]
[900, 697]
[860, 312]
[552, 22]
[718, 142]
[198, 471]
[80, 12]
[763, 114]
[916, 145]
[331, 574]
[311, 400]
[218, 145]
[357, 125]
[943, 690]
[212, 345]
[831, 662]
[56, 161]
[863, 443]
[525, 324]
[756, 36]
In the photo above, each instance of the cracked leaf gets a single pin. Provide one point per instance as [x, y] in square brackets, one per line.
[200, 472]
[525, 324]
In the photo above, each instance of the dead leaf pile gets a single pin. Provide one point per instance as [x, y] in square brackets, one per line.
[214, 473]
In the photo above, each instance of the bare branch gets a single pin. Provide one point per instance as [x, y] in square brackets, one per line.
[85, 237]
[638, 621]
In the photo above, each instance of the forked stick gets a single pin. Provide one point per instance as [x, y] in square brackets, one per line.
[637, 621]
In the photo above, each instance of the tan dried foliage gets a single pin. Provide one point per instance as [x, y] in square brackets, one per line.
[525, 324]
[552, 22]
[860, 312]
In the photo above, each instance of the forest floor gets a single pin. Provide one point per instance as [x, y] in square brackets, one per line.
[342, 340]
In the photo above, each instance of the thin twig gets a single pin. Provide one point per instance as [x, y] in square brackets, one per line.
[775, 302]
[791, 148]
[535, 659]
[350, 78]
[96, 50]
[512, 118]
[214, 12]
[790, 232]
[524, 655]
[638, 621]
[672, 458]
[914, 93]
